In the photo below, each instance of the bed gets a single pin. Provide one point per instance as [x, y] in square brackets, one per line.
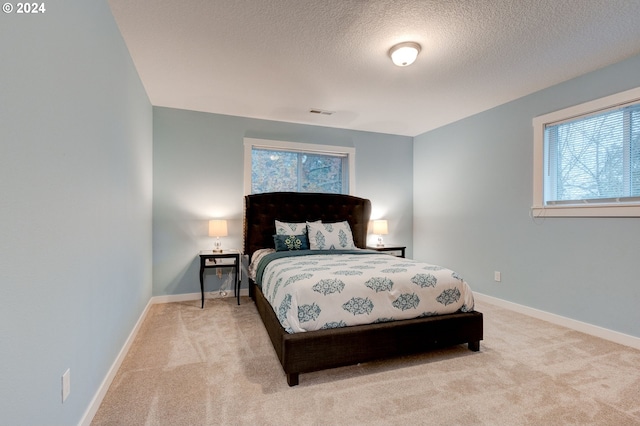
[308, 351]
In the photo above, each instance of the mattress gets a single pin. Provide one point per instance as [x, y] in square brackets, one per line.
[319, 289]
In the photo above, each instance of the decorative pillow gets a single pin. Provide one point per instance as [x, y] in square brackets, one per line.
[291, 242]
[330, 236]
[291, 228]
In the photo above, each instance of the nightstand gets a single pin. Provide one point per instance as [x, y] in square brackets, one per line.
[392, 250]
[215, 260]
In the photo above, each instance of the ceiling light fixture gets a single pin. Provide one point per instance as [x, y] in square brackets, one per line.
[404, 54]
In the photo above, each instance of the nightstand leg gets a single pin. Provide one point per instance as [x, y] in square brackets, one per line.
[202, 282]
[237, 284]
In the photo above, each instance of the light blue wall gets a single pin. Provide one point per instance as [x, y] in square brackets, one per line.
[75, 203]
[473, 189]
[198, 161]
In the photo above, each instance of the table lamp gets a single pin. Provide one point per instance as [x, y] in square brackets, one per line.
[218, 228]
[380, 228]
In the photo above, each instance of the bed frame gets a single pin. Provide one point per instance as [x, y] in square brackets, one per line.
[322, 349]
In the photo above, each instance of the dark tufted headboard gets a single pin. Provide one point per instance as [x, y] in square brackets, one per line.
[262, 210]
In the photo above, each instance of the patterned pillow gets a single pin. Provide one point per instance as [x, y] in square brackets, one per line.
[330, 236]
[291, 242]
[291, 228]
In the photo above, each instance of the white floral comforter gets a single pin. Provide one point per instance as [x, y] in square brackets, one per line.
[313, 290]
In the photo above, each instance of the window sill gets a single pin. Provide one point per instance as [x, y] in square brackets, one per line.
[586, 210]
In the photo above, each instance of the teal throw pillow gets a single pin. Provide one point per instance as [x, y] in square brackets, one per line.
[291, 242]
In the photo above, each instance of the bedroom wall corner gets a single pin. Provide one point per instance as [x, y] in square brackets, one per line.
[198, 161]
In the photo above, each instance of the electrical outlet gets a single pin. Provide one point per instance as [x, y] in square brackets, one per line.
[497, 276]
[66, 384]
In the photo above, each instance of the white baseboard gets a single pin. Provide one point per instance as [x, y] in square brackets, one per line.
[594, 330]
[104, 386]
[111, 374]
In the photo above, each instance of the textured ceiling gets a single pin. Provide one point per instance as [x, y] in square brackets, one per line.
[277, 59]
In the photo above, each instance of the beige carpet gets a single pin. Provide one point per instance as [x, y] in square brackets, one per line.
[216, 366]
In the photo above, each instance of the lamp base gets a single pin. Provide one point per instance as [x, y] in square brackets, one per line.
[217, 250]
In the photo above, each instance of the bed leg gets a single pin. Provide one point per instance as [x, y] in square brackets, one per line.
[474, 346]
[292, 379]
[252, 290]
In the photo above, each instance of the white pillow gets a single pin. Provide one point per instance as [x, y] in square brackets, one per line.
[330, 236]
[290, 228]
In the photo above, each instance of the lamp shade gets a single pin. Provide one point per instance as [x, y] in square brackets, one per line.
[380, 227]
[404, 54]
[218, 228]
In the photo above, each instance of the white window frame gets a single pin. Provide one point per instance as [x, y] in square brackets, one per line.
[250, 143]
[540, 160]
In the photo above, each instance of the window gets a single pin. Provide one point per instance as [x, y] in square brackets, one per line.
[587, 159]
[287, 166]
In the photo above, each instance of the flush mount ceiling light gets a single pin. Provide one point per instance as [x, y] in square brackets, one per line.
[404, 54]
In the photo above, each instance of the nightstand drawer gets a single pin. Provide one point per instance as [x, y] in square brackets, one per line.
[392, 250]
